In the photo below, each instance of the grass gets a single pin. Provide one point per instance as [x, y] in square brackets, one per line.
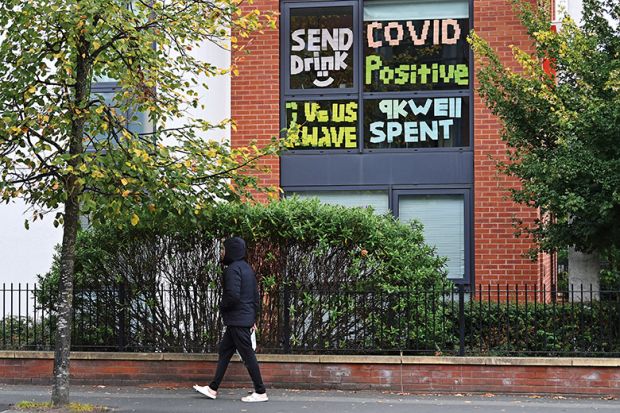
[72, 407]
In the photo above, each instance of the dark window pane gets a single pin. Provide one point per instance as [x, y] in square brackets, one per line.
[326, 124]
[431, 54]
[321, 48]
[416, 123]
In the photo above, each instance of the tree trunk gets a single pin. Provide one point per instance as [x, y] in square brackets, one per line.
[73, 189]
[60, 389]
[583, 275]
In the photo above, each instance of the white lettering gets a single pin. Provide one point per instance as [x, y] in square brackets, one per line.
[376, 129]
[314, 40]
[296, 36]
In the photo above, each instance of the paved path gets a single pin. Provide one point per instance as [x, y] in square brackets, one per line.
[149, 400]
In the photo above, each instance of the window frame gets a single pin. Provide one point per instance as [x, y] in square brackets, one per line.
[344, 188]
[285, 64]
[468, 233]
[357, 92]
[112, 87]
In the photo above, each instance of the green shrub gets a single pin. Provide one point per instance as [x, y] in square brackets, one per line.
[316, 264]
[543, 329]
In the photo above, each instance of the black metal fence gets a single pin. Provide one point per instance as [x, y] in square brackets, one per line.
[485, 320]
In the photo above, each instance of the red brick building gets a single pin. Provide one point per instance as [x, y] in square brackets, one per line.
[383, 95]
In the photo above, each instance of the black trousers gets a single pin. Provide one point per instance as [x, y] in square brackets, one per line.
[237, 338]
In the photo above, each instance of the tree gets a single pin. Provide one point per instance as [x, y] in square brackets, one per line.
[62, 146]
[561, 125]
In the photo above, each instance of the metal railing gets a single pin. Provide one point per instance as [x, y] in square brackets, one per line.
[450, 320]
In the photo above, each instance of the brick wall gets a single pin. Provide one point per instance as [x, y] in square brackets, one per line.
[498, 254]
[406, 374]
[255, 93]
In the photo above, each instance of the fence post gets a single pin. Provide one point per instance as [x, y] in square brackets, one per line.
[121, 340]
[461, 320]
[286, 319]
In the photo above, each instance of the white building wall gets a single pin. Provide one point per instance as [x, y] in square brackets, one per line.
[573, 8]
[26, 253]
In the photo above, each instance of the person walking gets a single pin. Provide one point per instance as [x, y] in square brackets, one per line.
[239, 309]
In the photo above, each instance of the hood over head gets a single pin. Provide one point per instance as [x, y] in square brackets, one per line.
[234, 250]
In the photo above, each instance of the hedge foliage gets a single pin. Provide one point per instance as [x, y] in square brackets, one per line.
[294, 245]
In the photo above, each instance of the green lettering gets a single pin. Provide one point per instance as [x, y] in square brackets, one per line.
[309, 139]
[372, 63]
[413, 77]
[325, 139]
[323, 116]
[337, 136]
[310, 110]
[423, 72]
[350, 140]
[402, 75]
[462, 75]
[338, 112]
[386, 75]
[351, 112]
[446, 77]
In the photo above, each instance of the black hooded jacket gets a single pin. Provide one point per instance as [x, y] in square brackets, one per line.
[240, 299]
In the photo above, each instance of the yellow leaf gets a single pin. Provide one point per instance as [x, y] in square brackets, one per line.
[124, 181]
[32, 89]
[134, 220]
[125, 194]
[99, 110]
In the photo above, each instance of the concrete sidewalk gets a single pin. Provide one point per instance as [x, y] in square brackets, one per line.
[151, 400]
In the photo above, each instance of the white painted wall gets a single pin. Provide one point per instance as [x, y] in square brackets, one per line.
[216, 98]
[574, 8]
[25, 253]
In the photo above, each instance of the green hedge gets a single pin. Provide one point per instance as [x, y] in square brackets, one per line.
[295, 246]
[544, 329]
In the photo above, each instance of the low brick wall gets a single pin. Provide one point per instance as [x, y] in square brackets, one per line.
[390, 373]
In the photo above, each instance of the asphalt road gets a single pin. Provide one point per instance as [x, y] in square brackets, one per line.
[149, 400]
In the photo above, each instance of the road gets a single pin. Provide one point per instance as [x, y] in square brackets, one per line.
[151, 400]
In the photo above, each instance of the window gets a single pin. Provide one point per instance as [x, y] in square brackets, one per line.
[379, 95]
[323, 124]
[137, 122]
[443, 217]
[321, 48]
[415, 45]
[378, 200]
[431, 122]
[413, 63]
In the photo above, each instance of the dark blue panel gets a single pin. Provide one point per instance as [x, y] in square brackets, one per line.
[379, 168]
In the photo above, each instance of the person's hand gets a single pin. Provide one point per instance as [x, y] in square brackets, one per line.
[253, 328]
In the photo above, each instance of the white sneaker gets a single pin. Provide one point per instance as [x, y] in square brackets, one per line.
[206, 390]
[255, 397]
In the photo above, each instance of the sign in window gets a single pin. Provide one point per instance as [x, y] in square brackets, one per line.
[415, 45]
[321, 48]
[322, 124]
[433, 122]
